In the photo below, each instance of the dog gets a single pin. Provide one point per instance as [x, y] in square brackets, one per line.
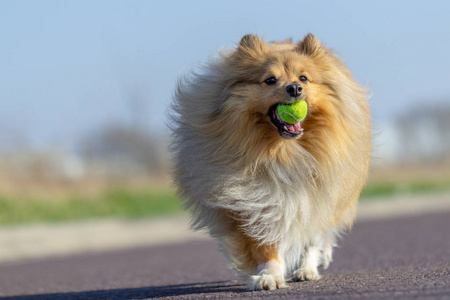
[275, 195]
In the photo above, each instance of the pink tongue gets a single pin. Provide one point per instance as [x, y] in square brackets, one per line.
[294, 127]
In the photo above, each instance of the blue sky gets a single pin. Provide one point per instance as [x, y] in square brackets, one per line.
[70, 67]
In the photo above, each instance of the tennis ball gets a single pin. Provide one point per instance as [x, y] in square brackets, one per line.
[293, 113]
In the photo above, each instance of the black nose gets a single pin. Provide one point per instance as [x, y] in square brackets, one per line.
[294, 90]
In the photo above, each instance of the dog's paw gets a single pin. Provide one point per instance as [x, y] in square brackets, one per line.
[306, 274]
[266, 282]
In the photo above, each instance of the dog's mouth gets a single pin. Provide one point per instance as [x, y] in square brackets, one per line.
[286, 130]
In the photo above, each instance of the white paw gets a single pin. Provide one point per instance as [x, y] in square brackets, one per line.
[266, 282]
[306, 274]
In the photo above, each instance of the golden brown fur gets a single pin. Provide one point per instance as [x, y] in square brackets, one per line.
[275, 204]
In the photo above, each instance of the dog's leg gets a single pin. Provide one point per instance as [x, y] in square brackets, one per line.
[310, 262]
[270, 276]
[327, 243]
[269, 264]
[327, 255]
[261, 264]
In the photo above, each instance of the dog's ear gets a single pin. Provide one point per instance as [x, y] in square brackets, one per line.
[251, 45]
[250, 41]
[311, 46]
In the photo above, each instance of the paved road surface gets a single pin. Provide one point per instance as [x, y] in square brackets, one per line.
[401, 258]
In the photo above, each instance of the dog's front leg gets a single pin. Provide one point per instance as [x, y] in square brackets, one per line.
[270, 276]
[271, 269]
[310, 262]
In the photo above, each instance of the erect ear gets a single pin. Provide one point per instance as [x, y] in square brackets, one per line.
[250, 44]
[311, 46]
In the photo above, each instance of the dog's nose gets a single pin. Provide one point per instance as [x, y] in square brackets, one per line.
[294, 90]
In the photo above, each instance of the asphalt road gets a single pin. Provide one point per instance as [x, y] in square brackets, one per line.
[401, 258]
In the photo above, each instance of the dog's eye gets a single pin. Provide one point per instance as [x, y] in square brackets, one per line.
[303, 79]
[271, 80]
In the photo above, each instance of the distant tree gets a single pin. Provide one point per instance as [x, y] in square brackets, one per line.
[424, 133]
[125, 150]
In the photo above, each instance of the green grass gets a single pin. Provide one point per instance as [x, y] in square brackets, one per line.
[132, 203]
[122, 203]
[385, 189]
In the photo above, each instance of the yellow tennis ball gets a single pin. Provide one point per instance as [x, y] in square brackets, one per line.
[293, 113]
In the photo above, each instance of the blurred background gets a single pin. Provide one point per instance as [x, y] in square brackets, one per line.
[85, 87]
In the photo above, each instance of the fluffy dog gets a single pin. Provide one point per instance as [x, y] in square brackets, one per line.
[275, 195]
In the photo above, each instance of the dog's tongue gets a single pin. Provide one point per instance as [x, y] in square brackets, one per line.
[294, 127]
